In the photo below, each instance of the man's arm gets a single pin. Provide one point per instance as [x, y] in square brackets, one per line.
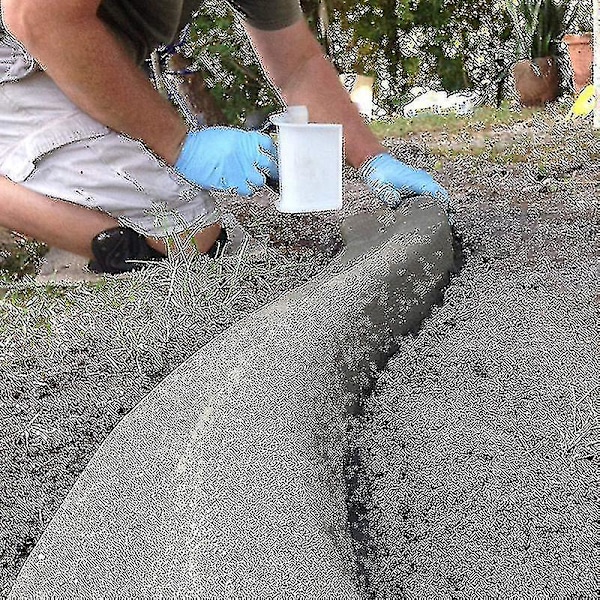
[296, 65]
[294, 61]
[90, 66]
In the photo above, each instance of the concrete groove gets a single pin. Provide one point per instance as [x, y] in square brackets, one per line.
[353, 468]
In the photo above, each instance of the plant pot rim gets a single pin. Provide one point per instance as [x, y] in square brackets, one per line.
[549, 58]
[577, 38]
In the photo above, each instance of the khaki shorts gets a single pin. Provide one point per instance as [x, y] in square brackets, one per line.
[50, 146]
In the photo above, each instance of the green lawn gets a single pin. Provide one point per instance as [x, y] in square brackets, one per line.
[484, 117]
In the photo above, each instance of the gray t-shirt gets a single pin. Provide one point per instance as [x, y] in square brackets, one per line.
[146, 24]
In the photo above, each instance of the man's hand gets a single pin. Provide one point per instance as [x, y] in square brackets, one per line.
[295, 63]
[223, 158]
[393, 182]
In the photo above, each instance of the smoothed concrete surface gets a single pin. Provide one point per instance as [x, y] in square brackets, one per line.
[227, 480]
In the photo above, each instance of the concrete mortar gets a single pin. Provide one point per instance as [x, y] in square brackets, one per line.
[228, 479]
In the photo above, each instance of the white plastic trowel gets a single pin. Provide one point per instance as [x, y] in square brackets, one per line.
[310, 163]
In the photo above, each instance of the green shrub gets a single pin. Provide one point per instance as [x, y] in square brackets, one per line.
[403, 43]
[223, 56]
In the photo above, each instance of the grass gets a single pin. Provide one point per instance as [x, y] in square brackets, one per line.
[159, 305]
[19, 256]
[491, 135]
[32, 435]
[582, 437]
[486, 134]
[75, 359]
[483, 118]
[469, 135]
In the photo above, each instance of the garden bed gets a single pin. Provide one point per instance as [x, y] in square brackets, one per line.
[75, 360]
[480, 446]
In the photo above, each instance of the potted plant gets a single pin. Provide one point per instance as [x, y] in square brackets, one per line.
[581, 54]
[579, 45]
[539, 25]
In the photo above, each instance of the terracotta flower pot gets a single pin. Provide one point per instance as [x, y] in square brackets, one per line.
[536, 80]
[582, 56]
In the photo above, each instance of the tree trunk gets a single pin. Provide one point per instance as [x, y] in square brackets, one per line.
[392, 52]
[193, 91]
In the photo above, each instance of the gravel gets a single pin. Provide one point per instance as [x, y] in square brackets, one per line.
[479, 447]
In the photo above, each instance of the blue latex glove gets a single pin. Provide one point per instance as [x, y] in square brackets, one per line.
[393, 182]
[223, 158]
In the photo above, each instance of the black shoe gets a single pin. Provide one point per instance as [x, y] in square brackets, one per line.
[117, 250]
[217, 248]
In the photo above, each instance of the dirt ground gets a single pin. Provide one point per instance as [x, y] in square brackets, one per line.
[480, 446]
[525, 202]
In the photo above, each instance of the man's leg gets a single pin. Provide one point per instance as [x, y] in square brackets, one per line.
[65, 173]
[66, 225]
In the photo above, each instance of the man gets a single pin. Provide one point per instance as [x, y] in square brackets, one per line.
[93, 160]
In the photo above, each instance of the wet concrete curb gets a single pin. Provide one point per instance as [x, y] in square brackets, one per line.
[228, 479]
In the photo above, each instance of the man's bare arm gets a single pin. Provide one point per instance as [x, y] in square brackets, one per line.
[295, 63]
[91, 67]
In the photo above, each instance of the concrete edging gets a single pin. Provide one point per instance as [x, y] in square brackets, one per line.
[227, 479]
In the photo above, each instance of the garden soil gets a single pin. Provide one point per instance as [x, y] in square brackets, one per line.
[477, 470]
[479, 448]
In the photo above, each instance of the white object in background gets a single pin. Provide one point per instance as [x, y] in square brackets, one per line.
[360, 88]
[425, 100]
[310, 163]
[462, 103]
[596, 42]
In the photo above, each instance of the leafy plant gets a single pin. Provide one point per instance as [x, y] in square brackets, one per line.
[539, 25]
[223, 57]
[402, 43]
[19, 256]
